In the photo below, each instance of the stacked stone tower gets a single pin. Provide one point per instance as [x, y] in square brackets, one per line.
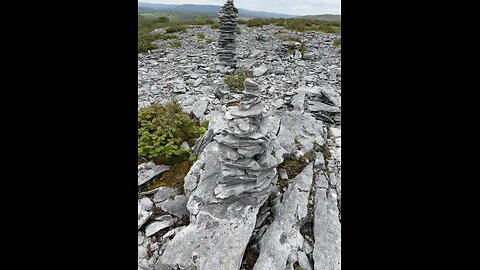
[245, 147]
[228, 25]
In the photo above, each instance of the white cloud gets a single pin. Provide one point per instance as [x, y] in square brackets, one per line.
[293, 7]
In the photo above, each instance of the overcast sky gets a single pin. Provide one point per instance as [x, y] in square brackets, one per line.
[292, 7]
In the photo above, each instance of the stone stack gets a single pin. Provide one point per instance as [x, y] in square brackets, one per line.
[228, 25]
[246, 147]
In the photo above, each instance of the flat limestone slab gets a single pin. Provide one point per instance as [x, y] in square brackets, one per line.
[282, 238]
[327, 231]
[219, 230]
[210, 243]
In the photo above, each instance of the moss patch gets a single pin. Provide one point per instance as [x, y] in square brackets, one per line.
[235, 81]
[337, 43]
[173, 178]
[233, 103]
[295, 166]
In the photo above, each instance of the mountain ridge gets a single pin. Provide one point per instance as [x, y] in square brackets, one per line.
[210, 9]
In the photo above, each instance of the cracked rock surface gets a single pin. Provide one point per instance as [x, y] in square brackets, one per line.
[273, 226]
[282, 240]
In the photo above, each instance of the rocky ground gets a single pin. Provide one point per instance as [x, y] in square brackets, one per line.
[298, 226]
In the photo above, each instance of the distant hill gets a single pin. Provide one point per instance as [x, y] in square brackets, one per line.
[324, 17]
[206, 9]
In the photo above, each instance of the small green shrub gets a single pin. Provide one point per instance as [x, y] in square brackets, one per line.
[215, 25]
[145, 43]
[323, 28]
[337, 43]
[239, 31]
[289, 38]
[162, 20]
[166, 37]
[235, 81]
[200, 47]
[303, 48]
[175, 29]
[257, 22]
[208, 40]
[200, 35]
[294, 165]
[174, 44]
[242, 22]
[163, 128]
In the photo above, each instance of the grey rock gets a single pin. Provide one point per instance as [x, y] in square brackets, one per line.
[282, 238]
[308, 56]
[261, 218]
[146, 204]
[149, 192]
[259, 71]
[319, 161]
[332, 95]
[202, 142]
[322, 181]
[278, 103]
[227, 17]
[299, 129]
[176, 207]
[156, 226]
[303, 261]
[298, 55]
[154, 246]
[327, 231]
[173, 231]
[307, 247]
[338, 142]
[216, 225]
[143, 214]
[142, 253]
[282, 173]
[197, 82]
[185, 145]
[216, 121]
[298, 101]
[199, 108]
[336, 132]
[147, 171]
[164, 193]
[322, 107]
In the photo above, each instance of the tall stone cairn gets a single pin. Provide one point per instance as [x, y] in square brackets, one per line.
[246, 148]
[228, 25]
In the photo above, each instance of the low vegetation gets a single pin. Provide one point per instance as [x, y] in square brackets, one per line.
[215, 25]
[161, 131]
[337, 43]
[174, 44]
[166, 36]
[173, 178]
[235, 81]
[303, 48]
[172, 23]
[200, 35]
[163, 128]
[289, 38]
[177, 23]
[299, 25]
[175, 29]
